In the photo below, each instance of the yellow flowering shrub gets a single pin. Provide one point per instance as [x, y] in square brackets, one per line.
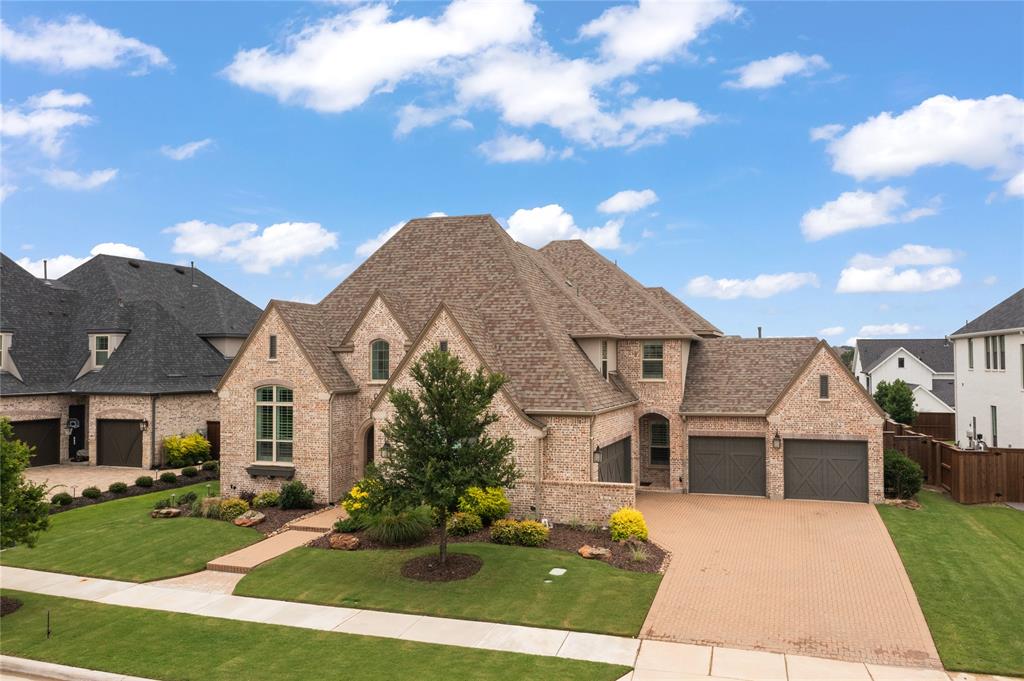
[628, 523]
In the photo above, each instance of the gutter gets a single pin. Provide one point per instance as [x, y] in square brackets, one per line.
[993, 332]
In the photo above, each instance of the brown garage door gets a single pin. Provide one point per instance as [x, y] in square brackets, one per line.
[832, 470]
[44, 435]
[727, 465]
[118, 443]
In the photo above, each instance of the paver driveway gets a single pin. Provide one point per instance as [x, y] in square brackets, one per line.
[73, 478]
[805, 577]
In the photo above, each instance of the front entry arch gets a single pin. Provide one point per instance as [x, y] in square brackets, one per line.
[368, 447]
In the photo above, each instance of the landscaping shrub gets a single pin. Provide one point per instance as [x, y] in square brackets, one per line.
[190, 472]
[61, 499]
[207, 508]
[117, 488]
[490, 503]
[353, 523]
[519, 532]
[144, 481]
[168, 477]
[187, 498]
[295, 494]
[628, 523]
[247, 495]
[92, 493]
[639, 554]
[162, 503]
[460, 524]
[903, 475]
[398, 528]
[211, 466]
[185, 450]
[232, 508]
[366, 496]
[265, 499]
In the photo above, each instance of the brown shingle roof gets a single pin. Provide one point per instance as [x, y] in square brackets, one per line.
[628, 304]
[511, 301]
[741, 375]
[685, 313]
[306, 326]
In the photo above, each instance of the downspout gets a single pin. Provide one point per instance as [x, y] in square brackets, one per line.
[152, 431]
[330, 448]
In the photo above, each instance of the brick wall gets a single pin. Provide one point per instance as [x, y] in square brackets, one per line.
[119, 407]
[848, 414]
[312, 418]
[182, 415]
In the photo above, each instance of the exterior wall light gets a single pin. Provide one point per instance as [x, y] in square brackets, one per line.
[777, 441]
[143, 425]
[597, 455]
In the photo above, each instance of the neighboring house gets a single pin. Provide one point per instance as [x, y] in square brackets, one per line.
[105, 362]
[925, 364]
[612, 386]
[989, 358]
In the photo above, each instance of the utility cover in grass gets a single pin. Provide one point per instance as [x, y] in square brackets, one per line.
[557, 572]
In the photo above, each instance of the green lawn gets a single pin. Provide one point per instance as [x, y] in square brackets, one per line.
[967, 567]
[509, 588]
[172, 646]
[118, 540]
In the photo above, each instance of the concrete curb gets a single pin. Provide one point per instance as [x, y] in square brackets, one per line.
[59, 672]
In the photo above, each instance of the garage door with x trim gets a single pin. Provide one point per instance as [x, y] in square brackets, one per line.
[727, 465]
[832, 470]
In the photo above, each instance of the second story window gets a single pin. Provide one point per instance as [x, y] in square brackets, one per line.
[823, 387]
[970, 353]
[604, 359]
[380, 367]
[272, 347]
[995, 353]
[443, 346]
[653, 360]
[102, 352]
[901, 362]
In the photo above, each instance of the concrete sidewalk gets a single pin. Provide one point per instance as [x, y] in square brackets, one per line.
[652, 660]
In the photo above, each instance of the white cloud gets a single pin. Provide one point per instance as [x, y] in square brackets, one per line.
[185, 151]
[990, 280]
[826, 132]
[411, 117]
[254, 250]
[537, 226]
[767, 73]
[368, 247]
[883, 274]
[74, 44]
[861, 209]
[338, 62]
[652, 30]
[829, 331]
[44, 119]
[628, 201]
[60, 265]
[1015, 187]
[875, 330]
[70, 179]
[6, 190]
[512, 149]
[977, 133]
[761, 286]
[888, 280]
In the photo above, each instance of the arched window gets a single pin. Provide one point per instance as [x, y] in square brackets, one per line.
[380, 367]
[274, 423]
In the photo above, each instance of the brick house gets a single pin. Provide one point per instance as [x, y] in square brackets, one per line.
[612, 386]
[103, 363]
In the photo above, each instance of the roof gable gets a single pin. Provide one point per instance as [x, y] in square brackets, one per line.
[1009, 314]
[934, 353]
[823, 347]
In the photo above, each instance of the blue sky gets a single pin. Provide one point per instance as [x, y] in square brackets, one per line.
[316, 128]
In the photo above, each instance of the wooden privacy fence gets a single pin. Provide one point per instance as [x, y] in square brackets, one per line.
[970, 477]
[938, 425]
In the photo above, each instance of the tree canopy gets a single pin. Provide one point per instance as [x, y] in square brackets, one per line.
[897, 399]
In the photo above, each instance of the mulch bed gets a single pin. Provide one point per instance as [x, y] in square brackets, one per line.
[8, 605]
[277, 518]
[135, 490]
[429, 569]
[563, 538]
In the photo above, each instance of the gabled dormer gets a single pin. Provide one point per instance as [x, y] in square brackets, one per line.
[102, 344]
[6, 362]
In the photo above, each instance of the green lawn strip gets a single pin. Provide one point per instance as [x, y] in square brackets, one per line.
[163, 645]
[118, 540]
[509, 588]
[965, 563]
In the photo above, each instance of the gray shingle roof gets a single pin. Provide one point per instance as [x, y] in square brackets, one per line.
[741, 375]
[163, 314]
[937, 353]
[944, 389]
[1008, 314]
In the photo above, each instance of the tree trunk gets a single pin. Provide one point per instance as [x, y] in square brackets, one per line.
[444, 537]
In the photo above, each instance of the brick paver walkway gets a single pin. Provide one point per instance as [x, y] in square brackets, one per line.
[801, 577]
[296, 533]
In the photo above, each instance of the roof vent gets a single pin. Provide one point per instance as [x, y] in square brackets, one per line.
[132, 263]
[179, 270]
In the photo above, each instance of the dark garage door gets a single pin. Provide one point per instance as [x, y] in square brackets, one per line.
[727, 465]
[833, 470]
[118, 443]
[44, 435]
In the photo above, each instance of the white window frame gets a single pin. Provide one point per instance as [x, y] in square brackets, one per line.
[276, 405]
[96, 350]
